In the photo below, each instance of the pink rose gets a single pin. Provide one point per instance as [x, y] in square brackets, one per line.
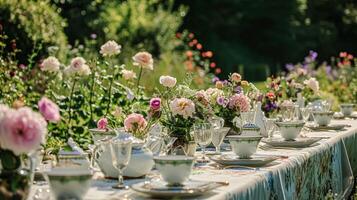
[155, 104]
[134, 123]
[102, 123]
[49, 110]
[22, 130]
[144, 60]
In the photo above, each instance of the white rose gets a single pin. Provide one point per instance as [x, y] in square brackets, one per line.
[168, 81]
[50, 64]
[110, 48]
[128, 74]
[313, 84]
[182, 106]
[144, 59]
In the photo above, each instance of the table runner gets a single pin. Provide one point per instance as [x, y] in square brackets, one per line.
[307, 173]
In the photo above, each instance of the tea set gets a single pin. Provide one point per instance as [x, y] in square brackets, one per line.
[175, 170]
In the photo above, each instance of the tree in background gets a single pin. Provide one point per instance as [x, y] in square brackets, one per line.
[258, 34]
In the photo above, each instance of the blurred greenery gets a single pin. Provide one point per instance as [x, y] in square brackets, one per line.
[31, 26]
[264, 35]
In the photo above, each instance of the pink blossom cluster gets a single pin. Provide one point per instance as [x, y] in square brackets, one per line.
[239, 102]
[21, 130]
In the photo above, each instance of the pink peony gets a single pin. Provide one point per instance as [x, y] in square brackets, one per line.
[144, 60]
[239, 102]
[22, 130]
[135, 122]
[102, 123]
[155, 104]
[49, 110]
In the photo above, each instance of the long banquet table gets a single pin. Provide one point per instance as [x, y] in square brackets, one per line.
[307, 173]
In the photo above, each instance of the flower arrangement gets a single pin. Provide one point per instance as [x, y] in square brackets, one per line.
[232, 96]
[181, 108]
[22, 132]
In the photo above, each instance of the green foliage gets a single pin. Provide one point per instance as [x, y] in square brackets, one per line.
[262, 34]
[30, 25]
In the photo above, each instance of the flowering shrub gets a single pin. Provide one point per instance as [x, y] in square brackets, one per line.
[197, 59]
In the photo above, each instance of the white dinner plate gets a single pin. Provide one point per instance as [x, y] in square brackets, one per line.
[255, 161]
[297, 143]
[159, 189]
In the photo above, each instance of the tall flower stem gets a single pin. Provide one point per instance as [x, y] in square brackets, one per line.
[70, 103]
[91, 97]
[138, 82]
[109, 95]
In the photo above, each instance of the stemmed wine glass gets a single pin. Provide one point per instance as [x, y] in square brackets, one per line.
[203, 136]
[219, 132]
[270, 126]
[121, 152]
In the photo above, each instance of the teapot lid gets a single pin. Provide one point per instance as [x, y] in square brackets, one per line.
[250, 126]
[124, 136]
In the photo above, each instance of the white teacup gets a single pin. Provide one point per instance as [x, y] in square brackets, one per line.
[290, 130]
[322, 118]
[244, 146]
[347, 109]
[175, 170]
[69, 183]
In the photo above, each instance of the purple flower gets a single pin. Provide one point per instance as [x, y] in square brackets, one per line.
[215, 79]
[225, 82]
[129, 94]
[311, 57]
[238, 89]
[328, 70]
[289, 66]
[222, 101]
[313, 54]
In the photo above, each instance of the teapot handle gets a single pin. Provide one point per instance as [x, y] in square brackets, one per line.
[97, 151]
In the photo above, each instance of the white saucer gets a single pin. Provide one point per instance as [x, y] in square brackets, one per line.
[297, 143]
[255, 161]
[335, 127]
[159, 189]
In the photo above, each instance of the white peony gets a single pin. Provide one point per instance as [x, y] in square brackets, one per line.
[128, 74]
[313, 84]
[168, 81]
[50, 64]
[78, 66]
[110, 48]
[144, 59]
[182, 106]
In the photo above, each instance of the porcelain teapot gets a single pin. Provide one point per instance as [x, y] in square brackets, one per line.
[141, 161]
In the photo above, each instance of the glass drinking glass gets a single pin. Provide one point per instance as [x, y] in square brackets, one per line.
[203, 136]
[219, 132]
[218, 136]
[270, 126]
[287, 113]
[247, 117]
[121, 152]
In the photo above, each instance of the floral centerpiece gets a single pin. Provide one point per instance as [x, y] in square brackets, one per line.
[22, 132]
[232, 96]
[181, 108]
